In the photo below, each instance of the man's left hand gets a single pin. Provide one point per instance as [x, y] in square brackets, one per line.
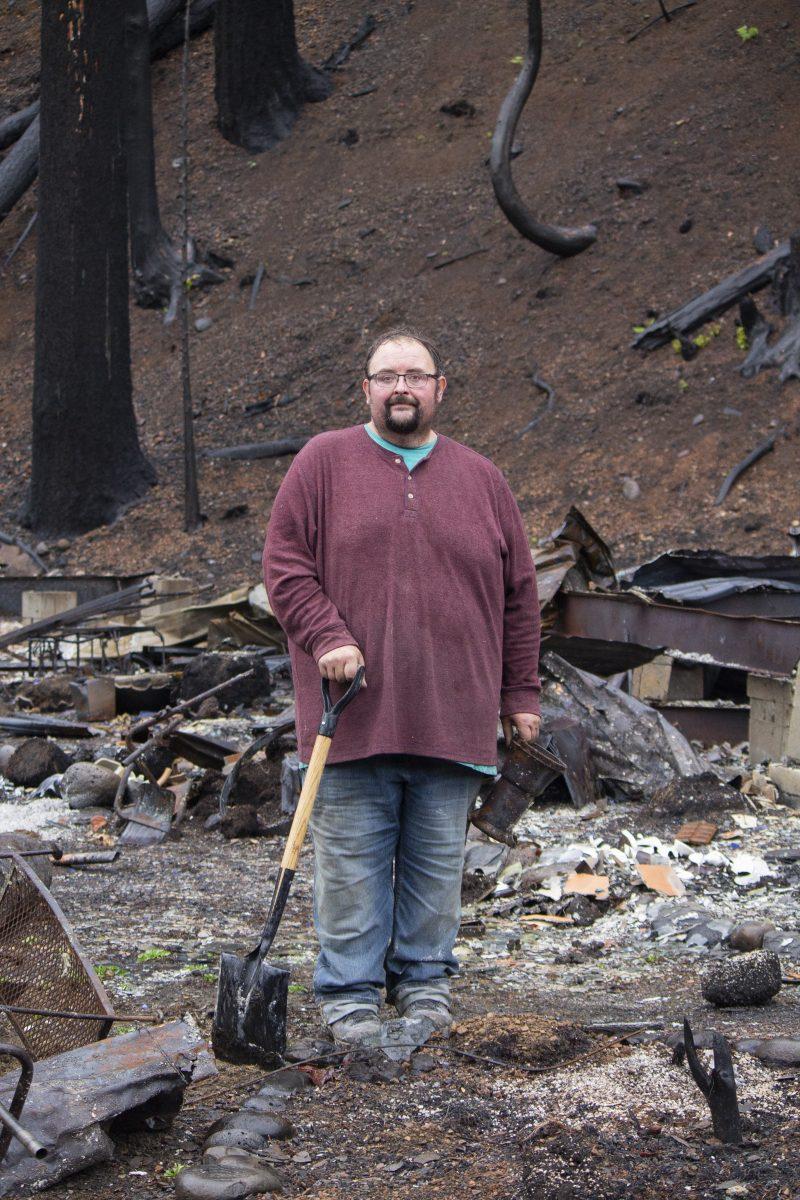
[526, 724]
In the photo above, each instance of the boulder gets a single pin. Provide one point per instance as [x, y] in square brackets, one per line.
[208, 670]
[749, 935]
[774, 1051]
[86, 785]
[752, 978]
[35, 760]
[213, 1181]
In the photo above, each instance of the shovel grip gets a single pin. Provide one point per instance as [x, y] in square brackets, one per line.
[305, 804]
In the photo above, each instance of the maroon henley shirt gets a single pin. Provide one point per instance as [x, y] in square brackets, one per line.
[429, 573]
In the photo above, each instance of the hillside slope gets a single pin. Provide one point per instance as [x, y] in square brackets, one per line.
[352, 234]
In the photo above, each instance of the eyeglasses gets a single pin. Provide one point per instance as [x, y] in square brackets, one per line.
[389, 379]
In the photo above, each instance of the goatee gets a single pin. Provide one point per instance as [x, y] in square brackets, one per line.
[405, 424]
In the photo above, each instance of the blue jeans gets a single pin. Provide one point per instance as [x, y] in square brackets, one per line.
[389, 836]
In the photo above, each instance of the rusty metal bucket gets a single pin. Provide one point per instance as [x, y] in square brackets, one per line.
[527, 770]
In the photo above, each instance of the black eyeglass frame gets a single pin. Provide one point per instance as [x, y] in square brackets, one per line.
[403, 374]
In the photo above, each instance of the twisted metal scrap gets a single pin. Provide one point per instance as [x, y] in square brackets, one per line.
[555, 238]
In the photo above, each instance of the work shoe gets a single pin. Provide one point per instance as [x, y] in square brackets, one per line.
[435, 1011]
[358, 1026]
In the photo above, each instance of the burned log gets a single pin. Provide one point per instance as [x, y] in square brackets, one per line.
[719, 299]
[19, 168]
[13, 126]
[340, 56]
[260, 449]
[557, 239]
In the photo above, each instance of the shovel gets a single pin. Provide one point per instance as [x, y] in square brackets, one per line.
[250, 1018]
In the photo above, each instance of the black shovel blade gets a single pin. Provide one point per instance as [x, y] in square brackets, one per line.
[250, 1018]
[156, 805]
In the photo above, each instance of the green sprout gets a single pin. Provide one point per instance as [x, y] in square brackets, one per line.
[110, 971]
[297, 987]
[741, 338]
[174, 1170]
[152, 954]
[747, 32]
[518, 60]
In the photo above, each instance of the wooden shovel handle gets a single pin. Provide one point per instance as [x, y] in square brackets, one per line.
[305, 804]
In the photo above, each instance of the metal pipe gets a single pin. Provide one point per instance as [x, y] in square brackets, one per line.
[34, 1148]
[78, 1016]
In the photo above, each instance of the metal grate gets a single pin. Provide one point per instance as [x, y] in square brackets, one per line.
[43, 967]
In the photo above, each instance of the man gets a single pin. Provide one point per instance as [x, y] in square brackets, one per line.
[401, 550]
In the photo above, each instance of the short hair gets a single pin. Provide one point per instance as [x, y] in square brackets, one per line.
[404, 333]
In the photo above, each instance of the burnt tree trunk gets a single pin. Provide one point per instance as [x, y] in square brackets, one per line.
[87, 465]
[261, 80]
[155, 266]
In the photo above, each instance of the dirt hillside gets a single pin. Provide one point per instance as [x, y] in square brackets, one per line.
[354, 213]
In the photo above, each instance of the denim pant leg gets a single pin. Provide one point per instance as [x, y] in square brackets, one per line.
[355, 826]
[430, 859]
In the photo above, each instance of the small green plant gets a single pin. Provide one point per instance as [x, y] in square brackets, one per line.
[517, 60]
[210, 976]
[747, 32]
[297, 987]
[152, 954]
[741, 338]
[111, 971]
[175, 1169]
[683, 386]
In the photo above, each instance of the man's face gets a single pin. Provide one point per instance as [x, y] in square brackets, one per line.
[400, 409]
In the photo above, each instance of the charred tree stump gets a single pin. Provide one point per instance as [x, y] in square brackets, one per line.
[261, 81]
[718, 1086]
[555, 238]
[86, 463]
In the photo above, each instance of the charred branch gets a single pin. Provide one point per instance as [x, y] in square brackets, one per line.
[718, 1086]
[719, 299]
[169, 33]
[666, 14]
[340, 56]
[557, 239]
[758, 452]
[14, 126]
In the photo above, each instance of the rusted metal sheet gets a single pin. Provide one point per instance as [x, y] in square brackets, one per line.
[707, 722]
[756, 644]
[73, 1092]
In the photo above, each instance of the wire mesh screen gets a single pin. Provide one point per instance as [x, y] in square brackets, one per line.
[42, 967]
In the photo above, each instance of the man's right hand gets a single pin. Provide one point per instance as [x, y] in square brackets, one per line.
[341, 664]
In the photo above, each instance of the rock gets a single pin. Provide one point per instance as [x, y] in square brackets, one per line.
[763, 241]
[85, 785]
[243, 1138]
[215, 1181]
[287, 1080]
[630, 489]
[265, 1125]
[421, 1062]
[458, 108]
[264, 1104]
[686, 225]
[783, 942]
[309, 1050]
[632, 187]
[775, 1052]
[203, 323]
[6, 754]
[34, 760]
[207, 670]
[749, 935]
[752, 978]
[787, 780]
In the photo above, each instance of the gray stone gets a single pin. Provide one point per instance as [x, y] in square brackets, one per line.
[775, 1052]
[783, 942]
[287, 1080]
[752, 978]
[203, 323]
[309, 1050]
[749, 935]
[85, 785]
[213, 1181]
[630, 489]
[264, 1104]
[262, 1124]
[243, 1138]
[34, 760]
